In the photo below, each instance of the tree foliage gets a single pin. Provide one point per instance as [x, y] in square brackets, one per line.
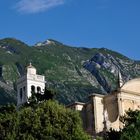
[47, 121]
[38, 97]
[131, 121]
[131, 129]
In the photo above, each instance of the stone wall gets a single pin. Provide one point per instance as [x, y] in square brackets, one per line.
[111, 111]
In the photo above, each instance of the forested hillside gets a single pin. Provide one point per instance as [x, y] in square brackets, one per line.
[72, 72]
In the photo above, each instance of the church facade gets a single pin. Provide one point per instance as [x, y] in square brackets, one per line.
[102, 112]
[30, 82]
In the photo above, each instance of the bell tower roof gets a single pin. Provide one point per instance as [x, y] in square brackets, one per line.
[31, 69]
[30, 66]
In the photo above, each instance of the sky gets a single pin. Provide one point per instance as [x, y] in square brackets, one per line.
[112, 24]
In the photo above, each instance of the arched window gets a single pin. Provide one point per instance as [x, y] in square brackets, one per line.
[21, 94]
[32, 88]
[38, 89]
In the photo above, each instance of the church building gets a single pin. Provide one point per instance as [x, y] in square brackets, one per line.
[30, 82]
[102, 112]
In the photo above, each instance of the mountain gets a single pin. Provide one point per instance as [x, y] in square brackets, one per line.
[72, 72]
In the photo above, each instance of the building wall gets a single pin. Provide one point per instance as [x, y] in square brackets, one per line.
[35, 84]
[98, 113]
[79, 107]
[22, 87]
[130, 101]
[111, 111]
[101, 113]
[89, 118]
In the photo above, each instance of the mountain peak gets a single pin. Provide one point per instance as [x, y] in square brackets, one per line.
[47, 42]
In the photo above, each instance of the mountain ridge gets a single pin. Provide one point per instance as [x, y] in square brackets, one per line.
[73, 72]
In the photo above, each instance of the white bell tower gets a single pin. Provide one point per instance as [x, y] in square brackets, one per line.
[30, 82]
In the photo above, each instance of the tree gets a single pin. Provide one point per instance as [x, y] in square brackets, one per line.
[131, 129]
[48, 94]
[40, 97]
[8, 122]
[47, 121]
[110, 135]
[131, 121]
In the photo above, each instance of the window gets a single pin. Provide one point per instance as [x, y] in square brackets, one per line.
[21, 94]
[24, 89]
[32, 88]
[38, 90]
[0, 71]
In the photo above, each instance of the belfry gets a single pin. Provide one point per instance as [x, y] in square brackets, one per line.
[30, 82]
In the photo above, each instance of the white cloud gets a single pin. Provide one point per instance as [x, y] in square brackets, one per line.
[36, 6]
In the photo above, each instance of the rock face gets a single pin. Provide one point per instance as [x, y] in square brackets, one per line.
[106, 66]
[73, 73]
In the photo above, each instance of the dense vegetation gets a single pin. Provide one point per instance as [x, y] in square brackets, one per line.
[46, 120]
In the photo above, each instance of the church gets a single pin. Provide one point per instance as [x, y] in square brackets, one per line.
[100, 113]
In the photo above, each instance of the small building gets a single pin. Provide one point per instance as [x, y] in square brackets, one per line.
[30, 82]
[103, 112]
[76, 106]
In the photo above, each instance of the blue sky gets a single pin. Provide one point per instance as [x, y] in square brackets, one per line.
[113, 24]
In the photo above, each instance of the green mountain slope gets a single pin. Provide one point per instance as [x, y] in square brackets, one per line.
[73, 72]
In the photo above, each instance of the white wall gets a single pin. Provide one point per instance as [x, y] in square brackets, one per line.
[98, 114]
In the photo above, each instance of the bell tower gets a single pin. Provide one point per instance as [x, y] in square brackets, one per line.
[30, 82]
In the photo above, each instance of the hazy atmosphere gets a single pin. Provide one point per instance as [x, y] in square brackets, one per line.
[85, 23]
